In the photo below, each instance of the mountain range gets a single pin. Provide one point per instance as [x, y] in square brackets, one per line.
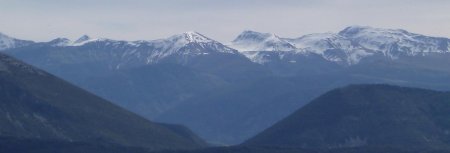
[348, 46]
[229, 93]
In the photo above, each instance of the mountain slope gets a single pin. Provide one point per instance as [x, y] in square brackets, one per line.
[153, 89]
[365, 116]
[236, 112]
[38, 105]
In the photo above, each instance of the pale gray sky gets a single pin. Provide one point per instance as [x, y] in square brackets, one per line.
[223, 20]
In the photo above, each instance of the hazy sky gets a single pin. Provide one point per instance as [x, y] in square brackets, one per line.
[223, 20]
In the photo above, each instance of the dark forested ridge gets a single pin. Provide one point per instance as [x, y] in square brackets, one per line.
[381, 116]
[37, 105]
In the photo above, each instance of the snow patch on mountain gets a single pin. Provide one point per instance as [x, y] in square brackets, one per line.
[192, 36]
[325, 43]
[255, 41]
[257, 56]
[388, 41]
[7, 42]
[320, 42]
[176, 42]
[85, 39]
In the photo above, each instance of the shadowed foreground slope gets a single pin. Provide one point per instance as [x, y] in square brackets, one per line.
[366, 116]
[37, 105]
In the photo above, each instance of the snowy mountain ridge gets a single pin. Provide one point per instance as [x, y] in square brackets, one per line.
[387, 40]
[180, 48]
[348, 46]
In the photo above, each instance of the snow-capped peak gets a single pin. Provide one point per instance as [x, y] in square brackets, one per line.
[363, 31]
[193, 36]
[389, 41]
[190, 37]
[256, 41]
[351, 30]
[7, 42]
[187, 44]
[60, 42]
[253, 35]
[83, 39]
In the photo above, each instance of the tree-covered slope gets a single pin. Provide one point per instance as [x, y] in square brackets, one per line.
[365, 116]
[35, 104]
